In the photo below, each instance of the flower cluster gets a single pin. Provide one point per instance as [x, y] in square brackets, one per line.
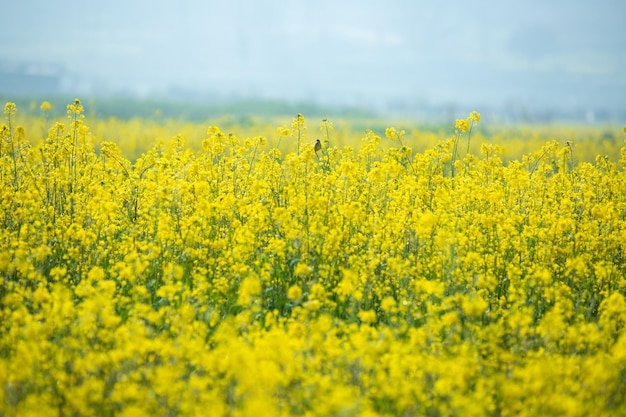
[311, 280]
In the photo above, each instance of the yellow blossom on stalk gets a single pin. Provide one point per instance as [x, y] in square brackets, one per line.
[213, 130]
[294, 293]
[475, 306]
[284, 131]
[96, 274]
[57, 273]
[275, 153]
[10, 109]
[463, 125]
[313, 305]
[388, 305]
[75, 109]
[326, 126]
[249, 289]
[613, 314]
[391, 133]
[45, 106]
[302, 270]
[20, 132]
[367, 316]
[298, 122]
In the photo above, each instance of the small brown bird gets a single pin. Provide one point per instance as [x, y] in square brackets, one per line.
[317, 147]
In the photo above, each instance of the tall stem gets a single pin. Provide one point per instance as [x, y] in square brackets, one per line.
[469, 135]
[13, 153]
[454, 149]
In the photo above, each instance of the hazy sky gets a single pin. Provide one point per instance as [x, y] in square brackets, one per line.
[558, 52]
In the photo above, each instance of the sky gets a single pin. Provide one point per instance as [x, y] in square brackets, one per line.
[540, 53]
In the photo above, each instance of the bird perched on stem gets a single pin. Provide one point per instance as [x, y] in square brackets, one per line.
[317, 147]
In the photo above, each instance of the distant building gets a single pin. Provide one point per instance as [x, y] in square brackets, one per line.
[30, 79]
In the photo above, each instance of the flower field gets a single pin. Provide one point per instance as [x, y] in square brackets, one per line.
[377, 275]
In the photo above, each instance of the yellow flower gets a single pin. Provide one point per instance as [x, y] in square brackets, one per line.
[313, 305]
[75, 110]
[367, 316]
[10, 109]
[249, 289]
[207, 272]
[294, 293]
[284, 131]
[213, 131]
[96, 274]
[474, 306]
[388, 305]
[298, 122]
[302, 270]
[462, 125]
[391, 133]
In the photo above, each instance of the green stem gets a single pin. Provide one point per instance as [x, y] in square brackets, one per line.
[12, 140]
[299, 135]
[454, 149]
[469, 135]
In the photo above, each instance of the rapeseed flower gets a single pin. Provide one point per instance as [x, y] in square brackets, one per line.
[230, 272]
[463, 125]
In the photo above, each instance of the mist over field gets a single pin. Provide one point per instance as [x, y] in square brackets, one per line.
[321, 208]
[527, 59]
